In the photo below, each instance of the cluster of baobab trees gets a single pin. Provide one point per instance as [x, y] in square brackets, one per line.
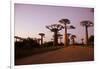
[64, 25]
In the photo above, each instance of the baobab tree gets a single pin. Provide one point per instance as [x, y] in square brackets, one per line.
[68, 34]
[73, 39]
[71, 27]
[42, 35]
[86, 24]
[55, 28]
[38, 40]
[60, 37]
[82, 41]
[65, 22]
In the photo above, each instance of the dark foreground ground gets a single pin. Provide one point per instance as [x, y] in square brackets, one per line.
[68, 54]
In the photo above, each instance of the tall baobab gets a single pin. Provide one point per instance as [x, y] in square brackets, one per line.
[42, 35]
[86, 24]
[73, 39]
[65, 22]
[55, 28]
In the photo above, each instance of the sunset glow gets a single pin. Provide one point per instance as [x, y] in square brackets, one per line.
[30, 20]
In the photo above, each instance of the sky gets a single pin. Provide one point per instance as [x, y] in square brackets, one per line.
[30, 20]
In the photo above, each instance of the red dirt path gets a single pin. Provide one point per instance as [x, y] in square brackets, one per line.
[67, 54]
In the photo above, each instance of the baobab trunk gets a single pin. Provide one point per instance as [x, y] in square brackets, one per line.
[65, 38]
[55, 38]
[41, 40]
[38, 41]
[82, 42]
[60, 40]
[73, 41]
[68, 41]
[55, 28]
[86, 36]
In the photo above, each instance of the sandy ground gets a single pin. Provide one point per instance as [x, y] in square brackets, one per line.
[68, 54]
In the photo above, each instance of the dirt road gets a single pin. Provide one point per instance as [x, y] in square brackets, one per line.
[68, 54]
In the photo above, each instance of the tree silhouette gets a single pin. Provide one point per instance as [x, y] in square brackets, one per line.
[42, 35]
[55, 28]
[86, 24]
[38, 40]
[82, 41]
[68, 34]
[71, 27]
[65, 22]
[73, 39]
[91, 40]
[60, 37]
[18, 38]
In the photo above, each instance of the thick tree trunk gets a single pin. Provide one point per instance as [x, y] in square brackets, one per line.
[65, 37]
[60, 40]
[82, 42]
[55, 38]
[73, 41]
[86, 35]
[41, 40]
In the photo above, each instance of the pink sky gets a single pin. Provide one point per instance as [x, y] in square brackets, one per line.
[32, 19]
